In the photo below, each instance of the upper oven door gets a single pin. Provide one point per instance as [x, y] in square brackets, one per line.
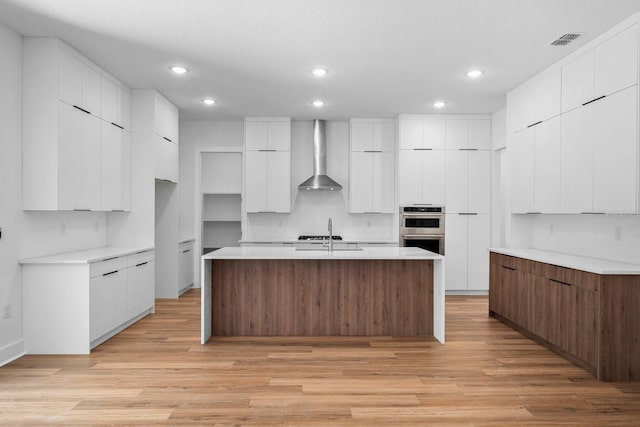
[421, 223]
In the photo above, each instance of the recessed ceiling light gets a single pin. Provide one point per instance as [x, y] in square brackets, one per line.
[209, 101]
[319, 72]
[318, 103]
[474, 74]
[439, 104]
[179, 69]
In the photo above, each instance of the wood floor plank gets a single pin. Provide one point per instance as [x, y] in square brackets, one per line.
[157, 373]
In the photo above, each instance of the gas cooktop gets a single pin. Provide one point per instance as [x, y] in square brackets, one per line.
[319, 237]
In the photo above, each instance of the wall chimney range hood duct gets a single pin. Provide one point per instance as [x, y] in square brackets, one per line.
[319, 180]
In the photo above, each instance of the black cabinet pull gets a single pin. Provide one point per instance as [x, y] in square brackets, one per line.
[267, 151]
[117, 125]
[467, 149]
[82, 109]
[166, 139]
[468, 213]
[373, 151]
[111, 272]
[560, 282]
[423, 149]
[109, 259]
[142, 263]
[81, 210]
[534, 124]
[594, 100]
[186, 250]
[509, 268]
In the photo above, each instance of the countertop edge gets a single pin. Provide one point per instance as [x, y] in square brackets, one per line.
[592, 265]
[85, 256]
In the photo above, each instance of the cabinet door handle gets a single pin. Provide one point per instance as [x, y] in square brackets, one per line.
[117, 125]
[373, 151]
[82, 109]
[81, 210]
[591, 213]
[468, 213]
[467, 149]
[117, 210]
[594, 100]
[166, 139]
[186, 250]
[533, 213]
[534, 124]
[109, 259]
[509, 268]
[267, 151]
[423, 149]
[142, 263]
[560, 282]
[111, 272]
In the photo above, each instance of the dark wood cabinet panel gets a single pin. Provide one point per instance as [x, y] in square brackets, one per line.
[322, 297]
[592, 319]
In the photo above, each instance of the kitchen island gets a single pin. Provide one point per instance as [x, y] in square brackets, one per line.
[282, 291]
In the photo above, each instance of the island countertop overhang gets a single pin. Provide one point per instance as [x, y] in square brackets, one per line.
[374, 253]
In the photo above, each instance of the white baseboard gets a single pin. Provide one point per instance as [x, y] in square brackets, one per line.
[11, 352]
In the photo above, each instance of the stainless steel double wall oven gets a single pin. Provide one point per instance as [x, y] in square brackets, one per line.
[422, 227]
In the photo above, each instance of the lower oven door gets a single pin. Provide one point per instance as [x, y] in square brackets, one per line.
[433, 243]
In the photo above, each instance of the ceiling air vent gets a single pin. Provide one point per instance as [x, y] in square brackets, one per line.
[565, 39]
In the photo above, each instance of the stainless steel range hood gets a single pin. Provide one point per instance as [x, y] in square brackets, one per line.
[319, 180]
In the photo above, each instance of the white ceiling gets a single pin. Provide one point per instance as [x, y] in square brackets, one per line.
[384, 57]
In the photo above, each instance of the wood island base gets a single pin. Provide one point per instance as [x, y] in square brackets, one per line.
[321, 297]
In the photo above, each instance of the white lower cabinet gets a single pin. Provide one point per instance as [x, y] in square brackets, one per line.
[140, 284]
[185, 266]
[72, 304]
[467, 240]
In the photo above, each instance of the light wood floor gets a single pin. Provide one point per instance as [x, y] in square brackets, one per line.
[157, 373]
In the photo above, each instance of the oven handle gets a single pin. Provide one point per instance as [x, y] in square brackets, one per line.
[424, 214]
[421, 236]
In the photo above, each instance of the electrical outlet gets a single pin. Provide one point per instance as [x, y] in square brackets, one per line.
[618, 233]
[6, 312]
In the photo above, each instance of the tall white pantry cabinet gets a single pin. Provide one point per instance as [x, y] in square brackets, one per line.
[76, 132]
[445, 160]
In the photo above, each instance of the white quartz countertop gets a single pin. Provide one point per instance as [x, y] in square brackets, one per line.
[292, 253]
[592, 265]
[86, 256]
[344, 240]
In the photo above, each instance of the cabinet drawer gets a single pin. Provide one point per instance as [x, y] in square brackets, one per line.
[107, 266]
[510, 262]
[140, 257]
[570, 276]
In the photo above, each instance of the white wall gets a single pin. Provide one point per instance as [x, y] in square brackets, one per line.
[27, 234]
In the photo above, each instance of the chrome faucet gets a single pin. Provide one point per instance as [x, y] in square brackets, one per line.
[330, 236]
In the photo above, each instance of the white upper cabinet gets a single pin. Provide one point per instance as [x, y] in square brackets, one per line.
[468, 134]
[267, 165]
[115, 103]
[601, 71]
[599, 156]
[372, 166]
[273, 134]
[536, 101]
[421, 177]
[421, 132]
[615, 179]
[547, 166]
[79, 83]
[115, 168]
[468, 181]
[62, 130]
[154, 115]
[521, 157]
